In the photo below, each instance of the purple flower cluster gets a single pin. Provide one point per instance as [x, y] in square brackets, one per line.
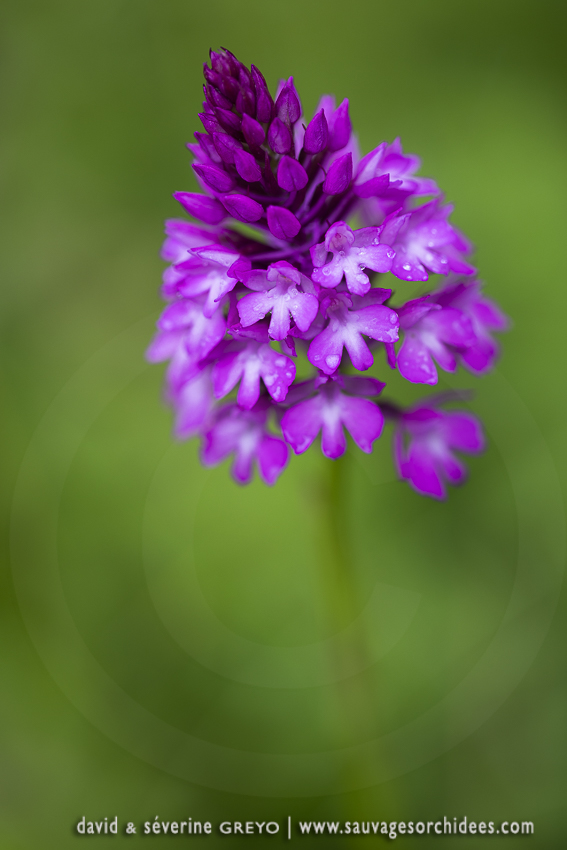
[277, 267]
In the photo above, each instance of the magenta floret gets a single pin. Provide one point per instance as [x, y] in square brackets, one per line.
[425, 442]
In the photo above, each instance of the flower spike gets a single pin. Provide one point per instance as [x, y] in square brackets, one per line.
[297, 245]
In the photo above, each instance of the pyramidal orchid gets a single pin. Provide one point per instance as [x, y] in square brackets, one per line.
[294, 247]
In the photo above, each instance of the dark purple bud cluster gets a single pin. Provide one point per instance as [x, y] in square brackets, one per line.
[243, 299]
[258, 161]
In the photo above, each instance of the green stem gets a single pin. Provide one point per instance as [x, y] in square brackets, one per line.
[356, 708]
[341, 589]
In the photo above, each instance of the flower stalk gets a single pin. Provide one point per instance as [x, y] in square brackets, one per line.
[357, 709]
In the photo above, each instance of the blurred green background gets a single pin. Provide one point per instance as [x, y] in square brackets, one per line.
[167, 647]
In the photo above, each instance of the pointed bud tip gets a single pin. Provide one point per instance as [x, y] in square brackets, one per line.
[339, 175]
[282, 223]
[316, 134]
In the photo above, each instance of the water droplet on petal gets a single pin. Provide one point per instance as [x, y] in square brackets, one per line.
[332, 361]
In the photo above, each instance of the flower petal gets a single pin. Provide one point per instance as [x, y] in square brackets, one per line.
[273, 455]
[301, 424]
[414, 361]
[363, 420]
